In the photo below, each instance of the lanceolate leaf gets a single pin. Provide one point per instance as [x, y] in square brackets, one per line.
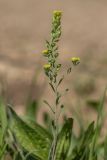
[64, 140]
[30, 139]
[81, 150]
[3, 121]
[99, 123]
[32, 108]
[105, 149]
[88, 134]
[42, 131]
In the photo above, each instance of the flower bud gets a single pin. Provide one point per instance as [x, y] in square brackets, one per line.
[57, 13]
[75, 60]
[45, 52]
[47, 66]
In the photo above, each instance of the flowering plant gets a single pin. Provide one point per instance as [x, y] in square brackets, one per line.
[24, 139]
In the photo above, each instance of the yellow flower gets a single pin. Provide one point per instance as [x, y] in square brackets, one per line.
[57, 13]
[47, 66]
[75, 60]
[45, 52]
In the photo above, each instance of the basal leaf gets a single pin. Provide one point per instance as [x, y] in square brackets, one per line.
[81, 150]
[42, 131]
[3, 121]
[105, 149]
[32, 108]
[64, 140]
[88, 134]
[99, 124]
[30, 139]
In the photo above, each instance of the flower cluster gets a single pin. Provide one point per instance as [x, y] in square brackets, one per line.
[56, 28]
[51, 53]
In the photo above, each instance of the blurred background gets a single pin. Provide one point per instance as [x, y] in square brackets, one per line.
[24, 27]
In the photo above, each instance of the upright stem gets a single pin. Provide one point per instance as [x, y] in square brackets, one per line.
[56, 126]
[51, 70]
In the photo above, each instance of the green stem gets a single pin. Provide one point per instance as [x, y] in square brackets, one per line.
[56, 125]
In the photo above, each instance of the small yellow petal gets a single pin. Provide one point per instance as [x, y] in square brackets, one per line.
[47, 66]
[57, 13]
[75, 60]
[45, 51]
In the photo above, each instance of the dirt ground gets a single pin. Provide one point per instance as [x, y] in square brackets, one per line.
[24, 27]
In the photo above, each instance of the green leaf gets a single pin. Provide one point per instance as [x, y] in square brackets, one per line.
[48, 44]
[51, 108]
[52, 87]
[42, 131]
[88, 134]
[99, 124]
[1, 135]
[81, 150]
[64, 140]
[101, 111]
[30, 139]
[105, 149]
[32, 109]
[47, 119]
[3, 121]
[60, 81]
[93, 104]
[2, 150]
